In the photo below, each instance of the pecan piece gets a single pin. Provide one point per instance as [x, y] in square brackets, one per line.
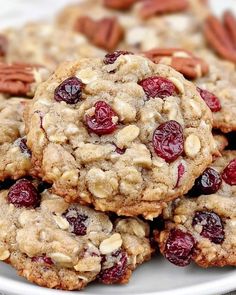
[181, 60]
[221, 36]
[105, 33]
[3, 45]
[119, 4]
[16, 79]
[152, 7]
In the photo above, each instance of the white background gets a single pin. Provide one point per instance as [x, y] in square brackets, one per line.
[15, 12]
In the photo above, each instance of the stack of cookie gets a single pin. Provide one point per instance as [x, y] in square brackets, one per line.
[111, 156]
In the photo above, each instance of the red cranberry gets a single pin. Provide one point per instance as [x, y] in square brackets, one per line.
[208, 183]
[110, 58]
[101, 122]
[77, 221]
[210, 99]
[181, 171]
[115, 273]
[158, 87]
[23, 146]
[69, 91]
[168, 140]
[212, 226]
[23, 194]
[42, 259]
[120, 151]
[179, 247]
[229, 173]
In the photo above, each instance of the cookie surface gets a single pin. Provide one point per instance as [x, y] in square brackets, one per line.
[58, 245]
[18, 82]
[132, 136]
[45, 44]
[203, 228]
[221, 142]
[14, 154]
[220, 82]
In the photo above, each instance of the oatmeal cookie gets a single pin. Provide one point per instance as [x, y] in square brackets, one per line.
[143, 25]
[202, 228]
[214, 78]
[16, 79]
[122, 133]
[218, 89]
[45, 44]
[66, 246]
[14, 154]
[221, 141]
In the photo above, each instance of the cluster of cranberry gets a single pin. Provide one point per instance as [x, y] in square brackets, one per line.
[180, 245]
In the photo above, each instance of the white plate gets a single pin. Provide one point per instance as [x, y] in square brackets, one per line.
[155, 277]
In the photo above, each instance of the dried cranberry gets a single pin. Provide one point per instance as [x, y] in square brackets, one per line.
[115, 273]
[69, 91]
[179, 247]
[110, 58]
[120, 151]
[229, 173]
[168, 140]
[208, 183]
[42, 259]
[23, 146]
[24, 194]
[77, 221]
[181, 171]
[212, 226]
[101, 122]
[210, 99]
[158, 87]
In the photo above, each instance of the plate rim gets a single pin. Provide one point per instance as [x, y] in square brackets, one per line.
[225, 284]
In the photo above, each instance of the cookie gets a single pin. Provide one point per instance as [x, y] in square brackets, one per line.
[219, 91]
[122, 133]
[14, 153]
[214, 78]
[142, 25]
[202, 228]
[16, 80]
[62, 246]
[221, 142]
[45, 44]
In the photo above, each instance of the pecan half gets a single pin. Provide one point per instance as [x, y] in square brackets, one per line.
[16, 79]
[105, 33]
[119, 4]
[3, 45]
[182, 60]
[221, 36]
[152, 7]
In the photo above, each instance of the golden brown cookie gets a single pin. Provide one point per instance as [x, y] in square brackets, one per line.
[62, 246]
[202, 228]
[122, 133]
